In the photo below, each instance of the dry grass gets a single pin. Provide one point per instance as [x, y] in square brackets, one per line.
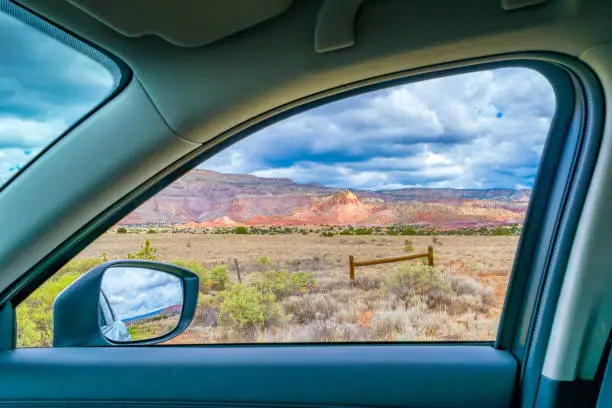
[154, 327]
[474, 271]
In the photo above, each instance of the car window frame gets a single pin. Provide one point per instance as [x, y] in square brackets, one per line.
[557, 69]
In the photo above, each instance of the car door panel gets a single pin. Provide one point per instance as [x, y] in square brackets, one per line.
[347, 375]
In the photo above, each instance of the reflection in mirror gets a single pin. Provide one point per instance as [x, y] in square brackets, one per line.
[137, 303]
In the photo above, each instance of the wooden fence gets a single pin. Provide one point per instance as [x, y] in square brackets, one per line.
[352, 264]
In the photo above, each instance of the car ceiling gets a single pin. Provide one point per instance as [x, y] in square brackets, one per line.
[183, 23]
[203, 91]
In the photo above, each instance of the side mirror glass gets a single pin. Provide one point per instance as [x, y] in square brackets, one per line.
[125, 303]
[139, 303]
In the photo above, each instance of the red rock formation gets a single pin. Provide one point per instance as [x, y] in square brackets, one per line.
[207, 199]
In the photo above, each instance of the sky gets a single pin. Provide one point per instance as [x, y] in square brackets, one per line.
[479, 130]
[45, 86]
[137, 291]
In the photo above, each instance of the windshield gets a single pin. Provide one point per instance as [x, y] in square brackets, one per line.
[45, 86]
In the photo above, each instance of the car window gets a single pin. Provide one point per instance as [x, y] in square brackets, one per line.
[47, 83]
[393, 215]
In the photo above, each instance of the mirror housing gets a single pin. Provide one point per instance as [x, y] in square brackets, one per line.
[76, 308]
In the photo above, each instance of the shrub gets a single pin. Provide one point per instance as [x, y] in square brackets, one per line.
[310, 307]
[366, 282]
[466, 285]
[414, 280]
[331, 332]
[408, 247]
[193, 266]
[284, 283]
[363, 231]
[147, 252]
[245, 307]
[328, 234]
[196, 267]
[264, 261]
[241, 230]
[122, 230]
[218, 277]
[387, 325]
[502, 230]
[207, 310]
[409, 231]
[151, 231]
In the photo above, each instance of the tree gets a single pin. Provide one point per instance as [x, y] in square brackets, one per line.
[147, 252]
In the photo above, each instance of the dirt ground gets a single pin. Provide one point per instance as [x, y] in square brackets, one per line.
[488, 259]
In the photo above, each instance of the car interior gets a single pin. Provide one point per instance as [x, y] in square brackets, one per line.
[192, 78]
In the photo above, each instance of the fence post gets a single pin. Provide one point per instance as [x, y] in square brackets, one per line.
[430, 256]
[238, 270]
[351, 268]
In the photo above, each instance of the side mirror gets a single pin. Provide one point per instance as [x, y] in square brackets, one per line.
[125, 303]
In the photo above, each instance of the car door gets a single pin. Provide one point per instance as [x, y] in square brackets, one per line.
[249, 360]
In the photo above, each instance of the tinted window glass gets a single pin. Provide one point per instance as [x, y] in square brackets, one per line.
[45, 86]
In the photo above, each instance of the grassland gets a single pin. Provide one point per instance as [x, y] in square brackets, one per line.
[295, 287]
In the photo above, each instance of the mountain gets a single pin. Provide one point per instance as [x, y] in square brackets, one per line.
[204, 198]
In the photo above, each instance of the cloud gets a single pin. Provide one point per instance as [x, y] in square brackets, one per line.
[136, 291]
[16, 132]
[45, 86]
[478, 130]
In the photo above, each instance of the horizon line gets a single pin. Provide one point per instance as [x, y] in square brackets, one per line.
[360, 189]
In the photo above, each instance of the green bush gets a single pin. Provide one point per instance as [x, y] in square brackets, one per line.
[241, 230]
[328, 234]
[196, 267]
[283, 283]
[193, 266]
[414, 280]
[218, 277]
[409, 231]
[147, 252]
[122, 230]
[264, 261]
[245, 307]
[503, 231]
